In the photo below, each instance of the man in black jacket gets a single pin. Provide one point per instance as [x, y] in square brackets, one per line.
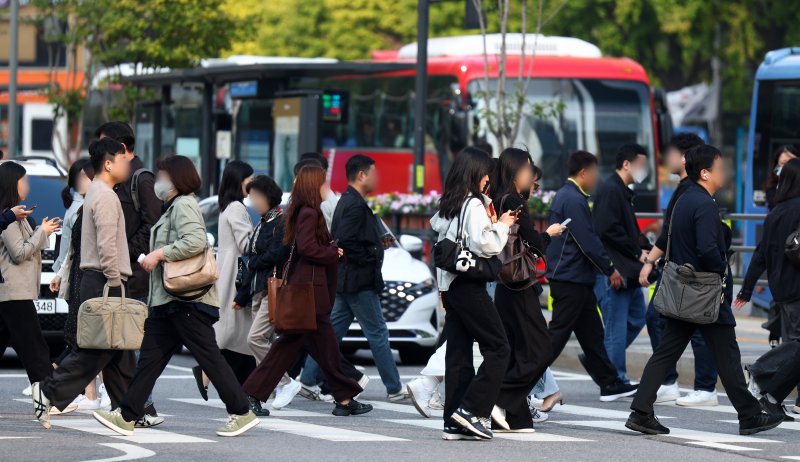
[142, 209]
[357, 231]
[697, 239]
[614, 220]
[705, 371]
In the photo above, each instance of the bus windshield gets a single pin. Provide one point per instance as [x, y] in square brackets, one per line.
[594, 115]
[776, 124]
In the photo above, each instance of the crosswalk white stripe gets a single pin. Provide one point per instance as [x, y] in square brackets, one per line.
[130, 451]
[723, 446]
[587, 411]
[403, 408]
[784, 425]
[140, 435]
[321, 432]
[681, 433]
[719, 408]
[791, 457]
[538, 436]
[217, 403]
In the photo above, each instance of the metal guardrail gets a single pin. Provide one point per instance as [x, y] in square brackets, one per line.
[726, 216]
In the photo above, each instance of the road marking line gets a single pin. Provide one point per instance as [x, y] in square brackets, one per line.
[719, 408]
[784, 425]
[179, 368]
[321, 432]
[587, 411]
[18, 437]
[791, 457]
[681, 433]
[131, 452]
[217, 403]
[140, 436]
[403, 408]
[538, 436]
[723, 446]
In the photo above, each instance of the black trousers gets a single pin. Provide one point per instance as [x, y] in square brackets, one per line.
[721, 342]
[777, 372]
[163, 337]
[241, 365]
[526, 330]
[471, 316]
[20, 325]
[575, 310]
[81, 366]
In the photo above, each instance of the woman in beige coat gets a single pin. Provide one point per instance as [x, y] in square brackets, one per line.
[20, 272]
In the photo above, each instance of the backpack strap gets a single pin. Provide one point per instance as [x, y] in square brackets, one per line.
[135, 187]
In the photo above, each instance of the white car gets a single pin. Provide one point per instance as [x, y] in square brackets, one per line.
[47, 179]
[410, 299]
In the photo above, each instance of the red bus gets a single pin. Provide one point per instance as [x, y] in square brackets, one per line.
[606, 102]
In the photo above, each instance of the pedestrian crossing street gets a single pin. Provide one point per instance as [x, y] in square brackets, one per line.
[585, 424]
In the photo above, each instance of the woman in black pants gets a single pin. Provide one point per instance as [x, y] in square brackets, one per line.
[471, 316]
[518, 304]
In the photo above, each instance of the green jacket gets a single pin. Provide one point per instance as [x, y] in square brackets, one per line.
[181, 231]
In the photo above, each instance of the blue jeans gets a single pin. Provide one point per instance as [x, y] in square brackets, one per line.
[365, 306]
[705, 370]
[546, 385]
[623, 313]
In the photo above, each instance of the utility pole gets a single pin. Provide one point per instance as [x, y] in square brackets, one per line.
[13, 58]
[421, 96]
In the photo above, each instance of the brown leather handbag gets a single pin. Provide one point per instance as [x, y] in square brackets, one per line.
[273, 286]
[295, 305]
[518, 259]
[191, 277]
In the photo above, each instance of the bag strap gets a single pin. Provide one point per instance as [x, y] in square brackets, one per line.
[135, 188]
[669, 230]
[461, 216]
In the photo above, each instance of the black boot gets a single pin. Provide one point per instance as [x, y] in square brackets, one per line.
[646, 423]
[255, 406]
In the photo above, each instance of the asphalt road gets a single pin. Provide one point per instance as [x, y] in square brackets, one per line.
[582, 430]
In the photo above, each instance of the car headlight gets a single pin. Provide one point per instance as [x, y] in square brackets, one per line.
[408, 291]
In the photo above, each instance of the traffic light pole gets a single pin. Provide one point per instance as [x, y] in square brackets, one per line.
[421, 96]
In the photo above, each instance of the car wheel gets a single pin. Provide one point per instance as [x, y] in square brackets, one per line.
[414, 355]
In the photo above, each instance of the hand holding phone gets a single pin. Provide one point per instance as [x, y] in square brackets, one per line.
[566, 222]
[518, 210]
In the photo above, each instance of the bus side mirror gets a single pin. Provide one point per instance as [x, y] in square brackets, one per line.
[663, 118]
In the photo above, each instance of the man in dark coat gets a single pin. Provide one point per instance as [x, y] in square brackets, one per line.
[615, 221]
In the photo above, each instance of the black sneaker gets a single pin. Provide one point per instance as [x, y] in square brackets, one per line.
[617, 390]
[646, 423]
[774, 408]
[472, 423]
[255, 406]
[351, 408]
[459, 434]
[759, 423]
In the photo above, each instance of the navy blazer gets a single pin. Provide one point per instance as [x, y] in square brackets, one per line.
[698, 239]
[577, 256]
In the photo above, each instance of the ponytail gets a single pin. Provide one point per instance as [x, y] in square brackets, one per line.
[66, 196]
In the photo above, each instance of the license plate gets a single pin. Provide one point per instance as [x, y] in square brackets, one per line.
[45, 306]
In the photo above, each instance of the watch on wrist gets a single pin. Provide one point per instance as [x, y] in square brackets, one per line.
[647, 261]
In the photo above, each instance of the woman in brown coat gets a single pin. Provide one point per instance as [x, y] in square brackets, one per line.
[315, 258]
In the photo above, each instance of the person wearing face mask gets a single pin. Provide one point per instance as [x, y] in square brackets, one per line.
[615, 222]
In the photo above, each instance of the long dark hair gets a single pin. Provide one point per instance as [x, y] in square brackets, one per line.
[464, 178]
[772, 178]
[10, 173]
[83, 164]
[789, 184]
[230, 188]
[305, 193]
[510, 162]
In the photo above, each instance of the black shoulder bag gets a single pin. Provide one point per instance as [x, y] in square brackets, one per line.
[456, 258]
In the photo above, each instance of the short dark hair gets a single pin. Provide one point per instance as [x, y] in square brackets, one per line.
[102, 150]
[267, 187]
[10, 173]
[119, 131]
[355, 164]
[230, 188]
[580, 160]
[182, 173]
[685, 141]
[316, 156]
[629, 152]
[305, 163]
[700, 158]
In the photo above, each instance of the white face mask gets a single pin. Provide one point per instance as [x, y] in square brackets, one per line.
[778, 170]
[639, 175]
[163, 189]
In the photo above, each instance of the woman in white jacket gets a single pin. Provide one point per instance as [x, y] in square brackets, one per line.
[470, 314]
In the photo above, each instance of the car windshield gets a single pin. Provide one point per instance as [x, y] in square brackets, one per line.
[45, 194]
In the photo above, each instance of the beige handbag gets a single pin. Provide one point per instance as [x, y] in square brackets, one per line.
[111, 323]
[191, 277]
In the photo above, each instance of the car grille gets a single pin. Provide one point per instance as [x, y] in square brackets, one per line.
[53, 322]
[48, 258]
[398, 295]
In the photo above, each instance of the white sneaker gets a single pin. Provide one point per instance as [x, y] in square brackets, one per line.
[285, 394]
[436, 402]
[363, 381]
[399, 396]
[86, 404]
[538, 416]
[667, 393]
[698, 398]
[421, 390]
[27, 391]
[796, 409]
[105, 400]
